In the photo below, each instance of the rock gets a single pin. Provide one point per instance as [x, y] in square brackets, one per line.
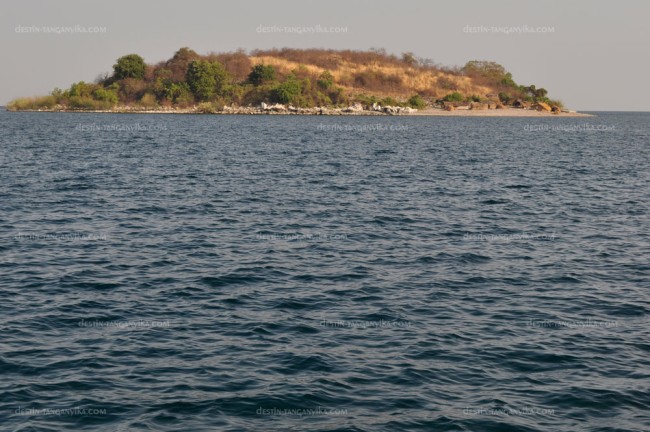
[521, 104]
[542, 106]
[354, 108]
[478, 106]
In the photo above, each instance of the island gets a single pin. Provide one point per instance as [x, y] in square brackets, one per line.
[301, 81]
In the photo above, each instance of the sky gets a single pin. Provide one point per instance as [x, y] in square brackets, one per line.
[591, 54]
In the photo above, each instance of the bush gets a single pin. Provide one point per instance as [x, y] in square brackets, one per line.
[417, 102]
[206, 108]
[261, 74]
[129, 66]
[81, 89]
[453, 97]
[325, 80]
[106, 95]
[338, 97]
[148, 101]
[505, 98]
[45, 102]
[288, 92]
[389, 101]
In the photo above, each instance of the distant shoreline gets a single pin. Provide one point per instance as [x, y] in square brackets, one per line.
[433, 112]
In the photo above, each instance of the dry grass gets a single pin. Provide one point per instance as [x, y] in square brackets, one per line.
[425, 81]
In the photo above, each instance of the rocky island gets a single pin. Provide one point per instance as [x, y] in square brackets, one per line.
[300, 81]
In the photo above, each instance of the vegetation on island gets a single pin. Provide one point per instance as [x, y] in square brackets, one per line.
[298, 77]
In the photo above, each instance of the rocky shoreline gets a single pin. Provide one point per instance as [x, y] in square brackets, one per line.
[356, 109]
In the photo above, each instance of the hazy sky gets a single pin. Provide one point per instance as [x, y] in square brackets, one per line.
[596, 57]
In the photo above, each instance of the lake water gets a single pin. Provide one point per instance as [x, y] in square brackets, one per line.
[231, 273]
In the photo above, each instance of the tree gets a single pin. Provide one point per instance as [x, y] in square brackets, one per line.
[178, 64]
[508, 81]
[409, 58]
[486, 69]
[129, 66]
[206, 79]
[81, 89]
[261, 73]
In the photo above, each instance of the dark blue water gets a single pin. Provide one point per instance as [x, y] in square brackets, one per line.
[233, 273]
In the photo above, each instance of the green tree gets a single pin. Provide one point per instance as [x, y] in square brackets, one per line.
[129, 66]
[508, 81]
[82, 89]
[206, 79]
[261, 74]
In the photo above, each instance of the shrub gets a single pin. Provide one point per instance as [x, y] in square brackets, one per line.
[505, 98]
[389, 101]
[206, 108]
[148, 101]
[44, 102]
[446, 83]
[338, 97]
[129, 66]
[132, 90]
[106, 95]
[325, 80]
[261, 74]
[288, 91]
[453, 97]
[81, 89]
[417, 102]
